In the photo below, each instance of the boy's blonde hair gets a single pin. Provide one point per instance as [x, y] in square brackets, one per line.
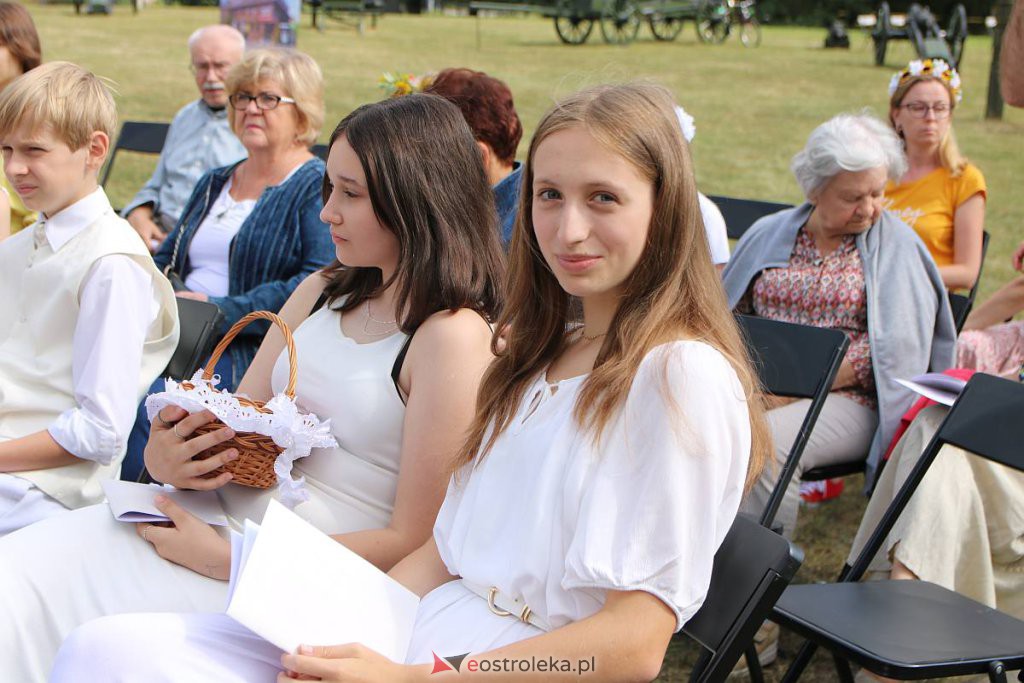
[73, 102]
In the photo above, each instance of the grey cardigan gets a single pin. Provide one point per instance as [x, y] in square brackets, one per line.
[910, 326]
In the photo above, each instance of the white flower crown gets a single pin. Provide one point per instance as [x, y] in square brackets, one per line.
[936, 68]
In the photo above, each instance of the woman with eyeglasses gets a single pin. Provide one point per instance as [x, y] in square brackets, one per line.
[251, 232]
[941, 196]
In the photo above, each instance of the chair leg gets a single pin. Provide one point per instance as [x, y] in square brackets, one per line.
[997, 672]
[800, 662]
[843, 672]
[753, 664]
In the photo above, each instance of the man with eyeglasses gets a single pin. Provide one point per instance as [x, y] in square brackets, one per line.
[199, 138]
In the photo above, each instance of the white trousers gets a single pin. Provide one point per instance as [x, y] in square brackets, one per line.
[842, 433]
[166, 648]
[74, 567]
[22, 503]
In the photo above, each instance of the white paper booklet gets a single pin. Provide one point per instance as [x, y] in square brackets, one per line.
[294, 585]
[936, 386]
[131, 502]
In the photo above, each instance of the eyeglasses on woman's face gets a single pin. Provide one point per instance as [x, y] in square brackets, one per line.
[263, 100]
[919, 110]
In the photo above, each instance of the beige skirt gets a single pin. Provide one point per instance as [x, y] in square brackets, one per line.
[963, 529]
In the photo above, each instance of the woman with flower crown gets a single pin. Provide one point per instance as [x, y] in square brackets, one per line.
[607, 457]
[941, 196]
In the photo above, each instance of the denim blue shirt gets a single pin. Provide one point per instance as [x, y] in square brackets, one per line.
[506, 199]
[281, 242]
[199, 140]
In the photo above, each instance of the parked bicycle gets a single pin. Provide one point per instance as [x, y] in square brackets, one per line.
[719, 18]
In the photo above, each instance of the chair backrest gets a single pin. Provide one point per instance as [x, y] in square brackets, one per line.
[199, 321]
[960, 304]
[144, 137]
[740, 214]
[321, 151]
[797, 361]
[986, 422]
[752, 568]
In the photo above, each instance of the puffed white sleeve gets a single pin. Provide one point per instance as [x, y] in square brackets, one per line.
[666, 482]
[715, 228]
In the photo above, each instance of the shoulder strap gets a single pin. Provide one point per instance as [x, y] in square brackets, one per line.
[320, 301]
[396, 369]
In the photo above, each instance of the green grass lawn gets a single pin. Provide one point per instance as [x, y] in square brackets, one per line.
[754, 110]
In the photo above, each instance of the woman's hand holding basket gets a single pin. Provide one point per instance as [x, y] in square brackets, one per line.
[172, 446]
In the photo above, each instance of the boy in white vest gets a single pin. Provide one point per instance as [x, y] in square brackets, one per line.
[86, 320]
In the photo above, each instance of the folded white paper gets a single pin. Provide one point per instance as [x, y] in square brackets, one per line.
[131, 502]
[936, 386]
[295, 585]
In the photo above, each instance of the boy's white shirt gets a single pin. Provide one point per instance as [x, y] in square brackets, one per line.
[109, 336]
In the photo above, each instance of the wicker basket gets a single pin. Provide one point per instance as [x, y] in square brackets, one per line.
[254, 465]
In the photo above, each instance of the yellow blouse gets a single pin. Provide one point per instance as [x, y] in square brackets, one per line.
[928, 205]
[20, 216]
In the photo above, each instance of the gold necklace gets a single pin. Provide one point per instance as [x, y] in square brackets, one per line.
[592, 338]
[392, 324]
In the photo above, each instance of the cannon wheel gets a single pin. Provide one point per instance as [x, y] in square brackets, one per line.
[664, 27]
[883, 29]
[572, 29]
[750, 33]
[712, 21]
[620, 21]
[956, 36]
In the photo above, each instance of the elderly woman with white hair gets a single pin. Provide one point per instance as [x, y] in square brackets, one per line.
[840, 261]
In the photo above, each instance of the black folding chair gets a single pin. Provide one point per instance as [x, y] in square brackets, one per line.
[752, 568]
[199, 322]
[740, 214]
[962, 304]
[796, 361]
[915, 629]
[143, 137]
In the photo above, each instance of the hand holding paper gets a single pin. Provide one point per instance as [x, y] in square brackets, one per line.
[131, 502]
[352, 662]
[295, 585]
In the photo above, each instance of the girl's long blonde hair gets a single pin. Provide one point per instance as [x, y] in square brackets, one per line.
[673, 293]
[949, 152]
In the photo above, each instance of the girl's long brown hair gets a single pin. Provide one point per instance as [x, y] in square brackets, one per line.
[673, 293]
[427, 184]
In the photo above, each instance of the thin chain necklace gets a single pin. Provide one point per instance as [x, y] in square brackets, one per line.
[392, 324]
[585, 337]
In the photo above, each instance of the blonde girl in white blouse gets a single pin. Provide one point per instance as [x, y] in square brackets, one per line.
[607, 458]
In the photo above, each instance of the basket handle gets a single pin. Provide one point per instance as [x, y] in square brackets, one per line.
[237, 327]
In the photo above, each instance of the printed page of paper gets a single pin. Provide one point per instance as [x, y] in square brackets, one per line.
[299, 586]
[946, 398]
[132, 502]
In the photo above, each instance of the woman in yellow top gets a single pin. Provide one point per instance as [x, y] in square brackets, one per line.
[19, 52]
[942, 196]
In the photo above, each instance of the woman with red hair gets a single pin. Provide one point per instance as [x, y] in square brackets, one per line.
[486, 104]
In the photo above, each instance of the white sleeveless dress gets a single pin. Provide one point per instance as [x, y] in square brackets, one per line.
[545, 517]
[78, 566]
